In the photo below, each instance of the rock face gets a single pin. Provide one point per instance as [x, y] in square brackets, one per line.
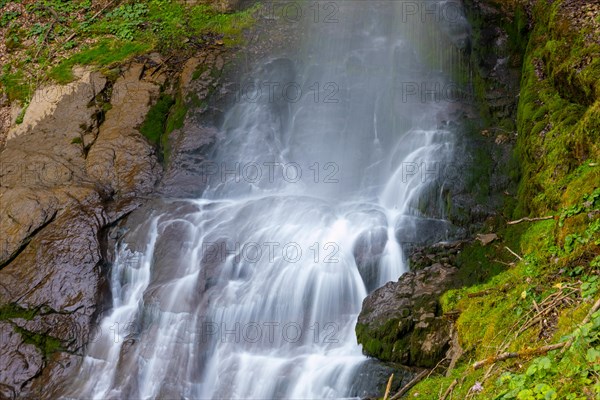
[121, 158]
[188, 166]
[68, 172]
[402, 322]
[372, 377]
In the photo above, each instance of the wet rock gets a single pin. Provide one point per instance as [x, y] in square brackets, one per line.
[57, 277]
[443, 253]
[121, 159]
[41, 169]
[402, 321]
[367, 251]
[20, 362]
[189, 167]
[372, 377]
[422, 231]
[62, 181]
[486, 238]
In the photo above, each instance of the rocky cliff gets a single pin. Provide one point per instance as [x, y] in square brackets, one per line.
[69, 171]
[79, 158]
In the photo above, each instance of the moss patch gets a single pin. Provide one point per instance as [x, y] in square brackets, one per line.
[154, 125]
[103, 54]
[11, 310]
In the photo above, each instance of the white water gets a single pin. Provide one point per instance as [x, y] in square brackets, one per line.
[259, 320]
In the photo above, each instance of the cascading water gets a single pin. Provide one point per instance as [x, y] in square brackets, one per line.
[253, 290]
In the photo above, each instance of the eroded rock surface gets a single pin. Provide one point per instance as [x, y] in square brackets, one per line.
[402, 321]
[67, 172]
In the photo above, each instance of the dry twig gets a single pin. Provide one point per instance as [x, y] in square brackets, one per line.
[519, 354]
[526, 219]
[388, 387]
[449, 390]
[540, 350]
[410, 384]
[513, 253]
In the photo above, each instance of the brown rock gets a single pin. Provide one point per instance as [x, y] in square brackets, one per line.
[402, 321]
[54, 202]
[121, 159]
[19, 361]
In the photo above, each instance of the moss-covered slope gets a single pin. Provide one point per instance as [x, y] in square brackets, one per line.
[547, 291]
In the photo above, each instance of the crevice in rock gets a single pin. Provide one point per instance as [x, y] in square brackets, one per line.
[26, 241]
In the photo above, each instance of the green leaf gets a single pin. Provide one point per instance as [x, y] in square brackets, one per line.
[592, 354]
[545, 363]
[526, 394]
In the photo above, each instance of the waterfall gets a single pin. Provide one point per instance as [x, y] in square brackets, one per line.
[253, 290]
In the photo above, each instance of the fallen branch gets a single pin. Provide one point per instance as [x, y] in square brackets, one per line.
[410, 384]
[587, 318]
[503, 263]
[520, 354]
[388, 387]
[449, 390]
[513, 253]
[527, 219]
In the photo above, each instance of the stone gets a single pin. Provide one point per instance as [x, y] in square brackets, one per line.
[402, 321]
[367, 251]
[372, 377]
[486, 238]
[49, 103]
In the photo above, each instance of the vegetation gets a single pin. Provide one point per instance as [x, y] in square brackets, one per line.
[154, 125]
[45, 39]
[536, 304]
[46, 343]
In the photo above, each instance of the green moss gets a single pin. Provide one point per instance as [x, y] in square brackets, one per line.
[103, 54]
[12, 310]
[153, 126]
[197, 102]
[199, 71]
[13, 83]
[46, 343]
[558, 110]
[380, 342]
[557, 155]
[176, 116]
[21, 116]
[539, 237]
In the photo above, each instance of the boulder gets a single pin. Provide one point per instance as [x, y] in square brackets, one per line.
[402, 321]
[368, 249]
